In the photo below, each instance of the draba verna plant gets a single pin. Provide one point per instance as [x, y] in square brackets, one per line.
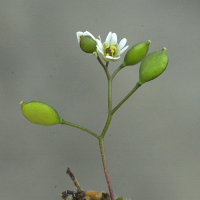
[152, 66]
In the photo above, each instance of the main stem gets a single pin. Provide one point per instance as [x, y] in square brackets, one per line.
[109, 118]
[101, 144]
[101, 137]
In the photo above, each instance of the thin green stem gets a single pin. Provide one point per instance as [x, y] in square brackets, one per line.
[108, 121]
[138, 84]
[79, 127]
[106, 125]
[109, 95]
[104, 67]
[117, 70]
[101, 139]
[109, 108]
[101, 145]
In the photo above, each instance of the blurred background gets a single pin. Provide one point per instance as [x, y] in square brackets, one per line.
[153, 143]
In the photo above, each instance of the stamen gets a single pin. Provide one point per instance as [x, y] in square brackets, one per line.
[111, 50]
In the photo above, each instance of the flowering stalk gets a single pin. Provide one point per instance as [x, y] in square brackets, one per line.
[152, 66]
[109, 118]
[101, 139]
[110, 51]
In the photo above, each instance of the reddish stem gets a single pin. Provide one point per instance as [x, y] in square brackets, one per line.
[101, 144]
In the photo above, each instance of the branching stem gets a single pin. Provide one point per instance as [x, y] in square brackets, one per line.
[111, 111]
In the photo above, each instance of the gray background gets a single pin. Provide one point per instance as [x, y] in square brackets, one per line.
[153, 144]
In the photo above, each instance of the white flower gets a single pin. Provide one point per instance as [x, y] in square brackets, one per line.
[79, 34]
[110, 49]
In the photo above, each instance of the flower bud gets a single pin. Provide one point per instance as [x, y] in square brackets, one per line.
[153, 65]
[136, 53]
[40, 113]
[88, 44]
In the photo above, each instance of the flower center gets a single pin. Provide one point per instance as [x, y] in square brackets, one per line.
[111, 50]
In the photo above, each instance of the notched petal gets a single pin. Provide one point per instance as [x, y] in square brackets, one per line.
[122, 43]
[113, 38]
[108, 38]
[90, 34]
[124, 49]
[113, 58]
[99, 44]
[100, 50]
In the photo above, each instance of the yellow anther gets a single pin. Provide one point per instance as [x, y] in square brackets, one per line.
[110, 50]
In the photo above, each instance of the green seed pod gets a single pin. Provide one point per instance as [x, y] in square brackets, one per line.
[88, 44]
[153, 65]
[136, 53]
[120, 198]
[40, 113]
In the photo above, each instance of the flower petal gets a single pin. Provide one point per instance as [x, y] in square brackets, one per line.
[99, 37]
[88, 33]
[113, 38]
[108, 38]
[124, 49]
[122, 43]
[78, 34]
[113, 58]
[99, 44]
[99, 50]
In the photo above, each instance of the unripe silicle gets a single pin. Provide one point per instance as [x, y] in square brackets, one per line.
[88, 44]
[136, 53]
[120, 198]
[153, 65]
[95, 195]
[40, 113]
